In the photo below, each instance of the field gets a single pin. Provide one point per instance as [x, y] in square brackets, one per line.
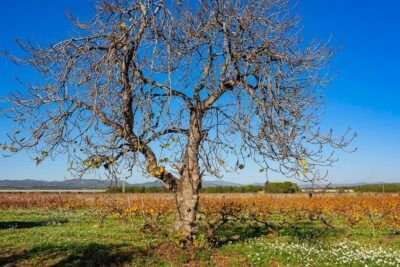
[234, 230]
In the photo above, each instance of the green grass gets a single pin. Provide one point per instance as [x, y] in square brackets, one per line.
[79, 238]
[54, 238]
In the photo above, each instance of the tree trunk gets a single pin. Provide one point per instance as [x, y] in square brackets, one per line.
[187, 200]
[187, 196]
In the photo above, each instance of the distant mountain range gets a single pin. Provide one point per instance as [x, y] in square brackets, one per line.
[88, 184]
[104, 184]
[66, 184]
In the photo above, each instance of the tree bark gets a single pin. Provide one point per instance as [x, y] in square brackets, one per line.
[187, 200]
[187, 195]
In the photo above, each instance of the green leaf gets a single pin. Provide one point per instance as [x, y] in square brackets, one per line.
[37, 160]
[165, 146]
[164, 160]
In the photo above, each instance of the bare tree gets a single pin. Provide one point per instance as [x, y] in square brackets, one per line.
[180, 89]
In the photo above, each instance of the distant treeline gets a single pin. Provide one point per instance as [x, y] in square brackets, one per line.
[212, 189]
[138, 189]
[232, 189]
[378, 188]
[282, 188]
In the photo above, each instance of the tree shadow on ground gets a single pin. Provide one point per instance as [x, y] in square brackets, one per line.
[309, 230]
[303, 230]
[92, 254]
[235, 231]
[30, 224]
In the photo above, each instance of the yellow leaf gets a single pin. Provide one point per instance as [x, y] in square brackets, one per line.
[152, 166]
[303, 162]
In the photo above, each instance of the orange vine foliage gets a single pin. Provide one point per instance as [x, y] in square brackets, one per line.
[381, 210]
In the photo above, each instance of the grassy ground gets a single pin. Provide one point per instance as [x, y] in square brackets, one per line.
[80, 238]
[37, 236]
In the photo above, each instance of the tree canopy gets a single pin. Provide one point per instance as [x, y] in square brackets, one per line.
[182, 89]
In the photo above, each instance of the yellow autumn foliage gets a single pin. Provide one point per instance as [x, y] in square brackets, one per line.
[303, 162]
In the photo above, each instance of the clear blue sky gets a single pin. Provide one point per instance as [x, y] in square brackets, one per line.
[365, 95]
